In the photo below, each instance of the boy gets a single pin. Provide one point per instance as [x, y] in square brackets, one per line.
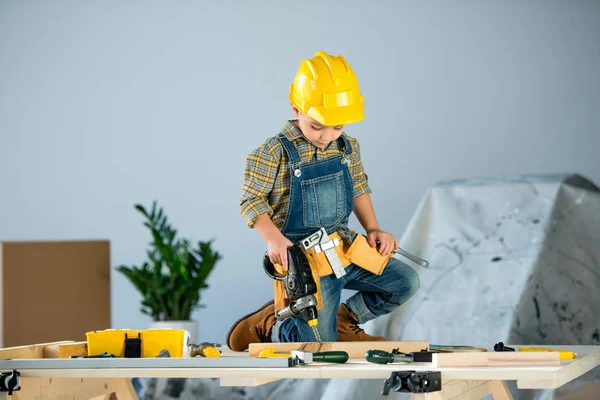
[310, 176]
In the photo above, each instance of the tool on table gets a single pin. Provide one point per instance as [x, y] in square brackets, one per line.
[385, 357]
[563, 354]
[501, 347]
[205, 349]
[164, 353]
[131, 343]
[307, 357]
[455, 349]
[300, 287]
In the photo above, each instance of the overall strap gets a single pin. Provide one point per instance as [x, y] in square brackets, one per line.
[344, 144]
[289, 148]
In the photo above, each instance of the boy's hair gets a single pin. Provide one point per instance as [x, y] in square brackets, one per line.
[326, 89]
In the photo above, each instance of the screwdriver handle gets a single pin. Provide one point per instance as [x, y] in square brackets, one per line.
[379, 357]
[338, 357]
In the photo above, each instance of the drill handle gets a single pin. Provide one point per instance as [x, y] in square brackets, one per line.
[270, 269]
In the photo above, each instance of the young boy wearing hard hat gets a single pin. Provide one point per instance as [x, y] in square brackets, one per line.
[311, 176]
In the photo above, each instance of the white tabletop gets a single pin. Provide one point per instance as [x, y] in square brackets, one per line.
[527, 377]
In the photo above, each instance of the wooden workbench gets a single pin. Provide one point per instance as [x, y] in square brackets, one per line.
[469, 382]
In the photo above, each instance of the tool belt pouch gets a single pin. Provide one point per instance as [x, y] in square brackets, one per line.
[362, 254]
[320, 267]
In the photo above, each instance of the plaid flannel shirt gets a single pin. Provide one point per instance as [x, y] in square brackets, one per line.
[266, 184]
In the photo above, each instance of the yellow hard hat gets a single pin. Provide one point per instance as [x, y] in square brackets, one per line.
[326, 89]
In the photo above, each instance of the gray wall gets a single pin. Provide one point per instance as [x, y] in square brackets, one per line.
[105, 106]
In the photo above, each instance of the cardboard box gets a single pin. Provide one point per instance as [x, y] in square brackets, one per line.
[53, 290]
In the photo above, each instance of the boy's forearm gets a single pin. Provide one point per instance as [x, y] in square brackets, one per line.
[363, 208]
[266, 228]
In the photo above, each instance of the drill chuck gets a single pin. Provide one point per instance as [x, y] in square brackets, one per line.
[304, 305]
[310, 315]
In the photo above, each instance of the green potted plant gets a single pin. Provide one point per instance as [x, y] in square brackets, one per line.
[173, 277]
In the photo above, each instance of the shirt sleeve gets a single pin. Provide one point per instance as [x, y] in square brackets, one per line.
[259, 176]
[360, 179]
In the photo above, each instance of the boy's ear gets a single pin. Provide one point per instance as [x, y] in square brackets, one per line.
[295, 110]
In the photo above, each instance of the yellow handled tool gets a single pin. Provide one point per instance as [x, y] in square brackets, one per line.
[563, 354]
[205, 349]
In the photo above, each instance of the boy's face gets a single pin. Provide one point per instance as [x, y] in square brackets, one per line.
[318, 134]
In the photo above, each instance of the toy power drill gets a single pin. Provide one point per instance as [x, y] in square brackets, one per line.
[300, 287]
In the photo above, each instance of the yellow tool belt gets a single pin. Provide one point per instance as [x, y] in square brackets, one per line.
[359, 252]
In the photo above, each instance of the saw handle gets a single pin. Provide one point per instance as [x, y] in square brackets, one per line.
[338, 357]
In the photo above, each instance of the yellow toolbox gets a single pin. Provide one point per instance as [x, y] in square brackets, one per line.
[131, 343]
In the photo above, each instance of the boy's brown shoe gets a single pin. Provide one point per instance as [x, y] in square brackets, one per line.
[255, 327]
[348, 329]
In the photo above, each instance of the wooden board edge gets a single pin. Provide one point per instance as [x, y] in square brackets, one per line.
[28, 351]
[489, 359]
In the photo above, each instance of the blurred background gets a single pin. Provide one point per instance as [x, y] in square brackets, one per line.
[105, 105]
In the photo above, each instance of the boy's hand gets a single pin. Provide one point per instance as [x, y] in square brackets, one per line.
[277, 250]
[387, 241]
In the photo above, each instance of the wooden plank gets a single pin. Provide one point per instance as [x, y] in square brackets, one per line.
[355, 350]
[66, 350]
[500, 391]
[31, 351]
[63, 388]
[72, 349]
[489, 359]
[564, 375]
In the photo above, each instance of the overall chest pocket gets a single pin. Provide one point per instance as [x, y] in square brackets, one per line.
[324, 200]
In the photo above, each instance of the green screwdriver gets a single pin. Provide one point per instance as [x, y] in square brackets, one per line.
[384, 357]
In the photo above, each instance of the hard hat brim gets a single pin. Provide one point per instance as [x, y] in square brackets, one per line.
[337, 116]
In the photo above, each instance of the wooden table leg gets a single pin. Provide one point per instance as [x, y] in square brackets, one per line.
[124, 389]
[500, 391]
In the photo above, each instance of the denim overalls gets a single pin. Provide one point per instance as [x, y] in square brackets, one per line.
[321, 195]
[321, 192]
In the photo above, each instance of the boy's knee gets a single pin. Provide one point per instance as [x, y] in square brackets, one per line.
[415, 281]
[406, 276]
